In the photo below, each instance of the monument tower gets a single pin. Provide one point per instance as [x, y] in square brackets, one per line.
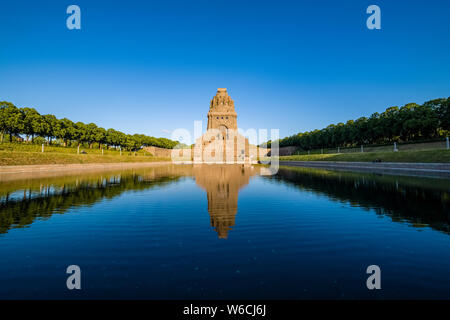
[222, 143]
[222, 115]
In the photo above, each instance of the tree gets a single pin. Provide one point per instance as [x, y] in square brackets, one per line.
[4, 114]
[65, 130]
[442, 109]
[129, 144]
[444, 114]
[32, 122]
[80, 133]
[390, 124]
[122, 139]
[90, 133]
[408, 123]
[111, 138]
[50, 127]
[99, 136]
[11, 119]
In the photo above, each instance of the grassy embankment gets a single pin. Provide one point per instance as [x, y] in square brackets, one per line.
[28, 154]
[441, 156]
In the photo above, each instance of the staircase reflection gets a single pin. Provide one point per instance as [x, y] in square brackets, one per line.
[222, 184]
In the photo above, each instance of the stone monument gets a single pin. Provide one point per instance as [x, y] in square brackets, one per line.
[222, 143]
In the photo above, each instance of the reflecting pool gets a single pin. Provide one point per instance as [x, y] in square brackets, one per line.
[224, 232]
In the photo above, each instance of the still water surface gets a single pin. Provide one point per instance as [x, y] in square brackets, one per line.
[199, 232]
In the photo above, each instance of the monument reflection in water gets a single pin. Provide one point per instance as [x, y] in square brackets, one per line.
[419, 200]
[23, 201]
[222, 184]
[224, 231]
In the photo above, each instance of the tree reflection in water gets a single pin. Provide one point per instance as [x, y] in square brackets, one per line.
[419, 201]
[22, 202]
[416, 200]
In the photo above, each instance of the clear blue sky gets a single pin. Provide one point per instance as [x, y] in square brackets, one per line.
[147, 66]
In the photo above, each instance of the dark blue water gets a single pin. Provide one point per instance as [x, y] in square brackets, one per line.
[216, 232]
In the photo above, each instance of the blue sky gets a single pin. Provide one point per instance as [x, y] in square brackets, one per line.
[151, 67]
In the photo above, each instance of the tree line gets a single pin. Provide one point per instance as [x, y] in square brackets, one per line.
[27, 121]
[411, 122]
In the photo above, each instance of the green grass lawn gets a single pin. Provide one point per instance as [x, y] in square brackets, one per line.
[28, 147]
[403, 156]
[27, 154]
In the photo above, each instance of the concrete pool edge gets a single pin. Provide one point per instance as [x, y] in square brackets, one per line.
[8, 173]
[441, 170]
[76, 166]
